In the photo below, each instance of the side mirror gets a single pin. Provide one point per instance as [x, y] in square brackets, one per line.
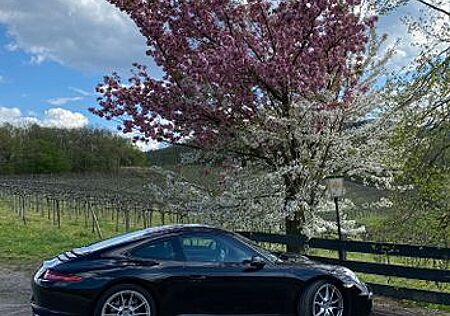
[255, 263]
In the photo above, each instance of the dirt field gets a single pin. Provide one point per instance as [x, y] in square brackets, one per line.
[15, 295]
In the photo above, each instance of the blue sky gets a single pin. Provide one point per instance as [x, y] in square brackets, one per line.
[35, 88]
[53, 53]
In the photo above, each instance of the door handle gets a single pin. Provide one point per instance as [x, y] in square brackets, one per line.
[198, 277]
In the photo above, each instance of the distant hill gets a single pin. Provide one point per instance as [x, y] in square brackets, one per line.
[169, 156]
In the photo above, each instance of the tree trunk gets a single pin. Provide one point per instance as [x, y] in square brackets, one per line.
[294, 224]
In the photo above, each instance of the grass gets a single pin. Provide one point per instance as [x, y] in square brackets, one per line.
[39, 239]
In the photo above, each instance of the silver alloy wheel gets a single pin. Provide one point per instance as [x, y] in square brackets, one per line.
[126, 303]
[328, 301]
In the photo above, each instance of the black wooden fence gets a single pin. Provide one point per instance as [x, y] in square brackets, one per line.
[426, 274]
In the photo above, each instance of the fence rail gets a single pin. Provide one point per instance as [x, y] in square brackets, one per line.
[426, 274]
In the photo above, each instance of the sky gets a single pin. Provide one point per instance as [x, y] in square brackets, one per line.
[54, 52]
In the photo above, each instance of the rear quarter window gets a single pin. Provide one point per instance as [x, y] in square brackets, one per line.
[156, 250]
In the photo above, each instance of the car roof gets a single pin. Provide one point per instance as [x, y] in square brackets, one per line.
[177, 227]
[156, 231]
[167, 229]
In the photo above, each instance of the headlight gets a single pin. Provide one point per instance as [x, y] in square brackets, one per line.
[352, 275]
[347, 276]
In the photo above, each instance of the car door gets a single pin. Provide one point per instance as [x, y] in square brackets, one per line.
[161, 263]
[221, 282]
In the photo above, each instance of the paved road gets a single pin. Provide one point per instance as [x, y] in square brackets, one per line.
[15, 294]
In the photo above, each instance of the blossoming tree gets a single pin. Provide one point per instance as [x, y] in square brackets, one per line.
[284, 85]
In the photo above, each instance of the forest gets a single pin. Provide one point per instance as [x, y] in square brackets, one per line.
[36, 150]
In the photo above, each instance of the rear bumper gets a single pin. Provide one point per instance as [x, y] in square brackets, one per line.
[51, 300]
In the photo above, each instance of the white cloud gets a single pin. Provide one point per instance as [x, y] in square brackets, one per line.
[142, 145]
[2, 79]
[150, 146]
[63, 100]
[91, 35]
[55, 117]
[401, 53]
[398, 36]
[82, 92]
[14, 116]
[9, 114]
[62, 118]
[410, 42]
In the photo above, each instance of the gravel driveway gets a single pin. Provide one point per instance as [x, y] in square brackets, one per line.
[15, 295]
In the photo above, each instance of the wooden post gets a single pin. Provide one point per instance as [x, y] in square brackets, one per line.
[54, 211]
[58, 213]
[127, 219]
[117, 219]
[97, 225]
[23, 210]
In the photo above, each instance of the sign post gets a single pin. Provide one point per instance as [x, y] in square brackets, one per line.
[335, 188]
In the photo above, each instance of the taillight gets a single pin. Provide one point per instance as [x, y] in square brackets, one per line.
[53, 276]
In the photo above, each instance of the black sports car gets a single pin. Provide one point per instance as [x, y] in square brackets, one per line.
[192, 270]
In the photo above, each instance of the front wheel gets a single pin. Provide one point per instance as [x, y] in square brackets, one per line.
[125, 300]
[322, 298]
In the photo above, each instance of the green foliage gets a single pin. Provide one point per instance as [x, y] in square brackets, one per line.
[421, 209]
[43, 156]
[37, 149]
[421, 143]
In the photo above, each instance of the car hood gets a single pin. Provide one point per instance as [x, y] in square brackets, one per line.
[295, 260]
[299, 262]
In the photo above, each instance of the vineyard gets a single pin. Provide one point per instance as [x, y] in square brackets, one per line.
[96, 200]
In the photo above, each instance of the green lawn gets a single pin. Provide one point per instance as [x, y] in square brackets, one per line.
[40, 239]
[37, 240]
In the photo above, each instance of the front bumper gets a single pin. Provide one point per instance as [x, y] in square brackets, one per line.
[360, 298]
[361, 306]
[42, 311]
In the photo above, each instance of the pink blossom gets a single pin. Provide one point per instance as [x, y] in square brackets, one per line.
[223, 60]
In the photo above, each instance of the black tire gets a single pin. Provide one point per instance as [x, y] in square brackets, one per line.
[306, 303]
[124, 287]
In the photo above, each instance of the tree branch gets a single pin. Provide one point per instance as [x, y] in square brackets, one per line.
[436, 8]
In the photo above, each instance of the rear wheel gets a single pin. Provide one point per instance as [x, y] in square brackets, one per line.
[322, 298]
[125, 300]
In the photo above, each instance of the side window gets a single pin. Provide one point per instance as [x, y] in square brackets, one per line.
[213, 248]
[158, 250]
